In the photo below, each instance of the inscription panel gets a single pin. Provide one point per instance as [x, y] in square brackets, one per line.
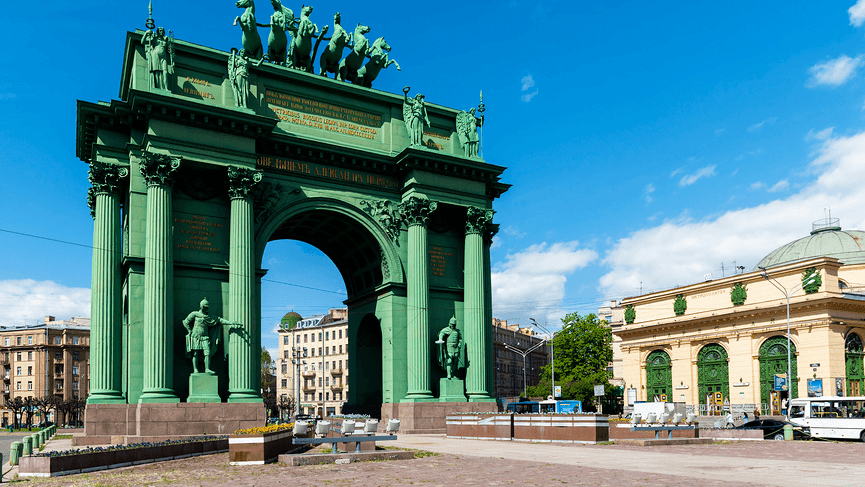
[445, 266]
[320, 171]
[200, 238]
[199, 86]
[329, 118]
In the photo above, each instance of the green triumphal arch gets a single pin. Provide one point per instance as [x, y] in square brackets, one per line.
[205, 158]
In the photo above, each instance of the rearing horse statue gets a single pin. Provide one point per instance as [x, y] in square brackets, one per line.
[250, 40]
[301, 44]
[348, 67]
[281, 21]
[329, 61]
[378, 60]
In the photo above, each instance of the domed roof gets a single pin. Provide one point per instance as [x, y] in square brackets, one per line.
[826, 240]
[290, 320]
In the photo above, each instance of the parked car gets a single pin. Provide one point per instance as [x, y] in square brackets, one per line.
[773, 429]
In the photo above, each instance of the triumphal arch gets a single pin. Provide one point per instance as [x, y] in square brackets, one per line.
[209, 155]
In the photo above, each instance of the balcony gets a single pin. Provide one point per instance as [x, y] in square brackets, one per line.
[336, 371]
[308, 388]
[337, 386]
[308, 373]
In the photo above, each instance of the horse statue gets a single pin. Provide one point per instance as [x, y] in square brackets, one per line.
[348, 67]
[378, 60]
[251, 41]
[329, 60]
[301, 44]
[281, 21]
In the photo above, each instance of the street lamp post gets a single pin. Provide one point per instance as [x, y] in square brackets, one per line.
[297, 354]
[552, 356]
[524, 353]
[787, 294]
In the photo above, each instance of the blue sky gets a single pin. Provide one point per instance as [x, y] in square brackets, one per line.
[647, 142]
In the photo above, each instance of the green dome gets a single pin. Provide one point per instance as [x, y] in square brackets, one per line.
[290, 320]
[826, 240]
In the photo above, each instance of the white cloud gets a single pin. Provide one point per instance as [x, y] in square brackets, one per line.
[513, 231]
[857, 13]
[758, 185]
[834, 72]
[528, 96]
[528, 82]
[780, 186]
[647, 192]
[37, 299]
[703, 172]
[821, 135]
[676, 171]
[757, 126]
[531, 283]
[682, 251]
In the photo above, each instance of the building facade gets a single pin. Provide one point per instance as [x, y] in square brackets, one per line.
[51, 359]
[614, 315]
[312, 366]
[724, 342]
[510, 379]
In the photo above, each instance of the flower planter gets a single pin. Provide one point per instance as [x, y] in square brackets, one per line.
[621, 430]
[553, 428]
[258, 449]
[480, 426]
[47, 466]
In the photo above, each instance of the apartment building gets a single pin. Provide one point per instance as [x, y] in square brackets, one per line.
[513, 372]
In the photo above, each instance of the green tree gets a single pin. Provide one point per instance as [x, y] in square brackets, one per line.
[583, 350]
[268, 380]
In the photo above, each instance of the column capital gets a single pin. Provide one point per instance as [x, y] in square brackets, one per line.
[478, 219]
[158, 169]
[416, 211]
[241, 181]
[105, 178]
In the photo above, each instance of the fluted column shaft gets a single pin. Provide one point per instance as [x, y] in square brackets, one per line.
[244, 348]
[476, 327]
[105, 303]
[416, 213]
[158, 276]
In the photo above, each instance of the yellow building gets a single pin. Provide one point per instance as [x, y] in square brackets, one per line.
[724, 341]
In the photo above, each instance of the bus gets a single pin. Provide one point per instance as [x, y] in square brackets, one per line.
[545, 407]
[830, 416]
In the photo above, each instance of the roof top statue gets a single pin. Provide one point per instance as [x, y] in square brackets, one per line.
[251, 40]
[414, 115]
[159, 51]
[329, 61]
[299, 56]
[378, 60]
[467, 129]
[281, 20]
[348, 67]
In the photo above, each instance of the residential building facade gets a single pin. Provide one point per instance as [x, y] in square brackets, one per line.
[51, 359]
[614, 315]
[513, 373]
[312, 366]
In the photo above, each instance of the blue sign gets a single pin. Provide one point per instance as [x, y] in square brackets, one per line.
[780, 382]
[815, 387]
[569, 407]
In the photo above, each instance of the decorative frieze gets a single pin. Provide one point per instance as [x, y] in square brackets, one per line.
[387, 214]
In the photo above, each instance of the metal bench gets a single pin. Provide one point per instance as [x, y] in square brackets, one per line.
[658, 429]
[357, 440]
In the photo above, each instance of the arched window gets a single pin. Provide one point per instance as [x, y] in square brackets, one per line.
[713, 374]
[773, 361]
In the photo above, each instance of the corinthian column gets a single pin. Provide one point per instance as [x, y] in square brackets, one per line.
[476, 327]
[105, 292]
[158, 171]
[244, 346]
[416, 212]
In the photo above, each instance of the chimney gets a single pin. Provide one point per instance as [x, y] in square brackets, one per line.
[49, 319]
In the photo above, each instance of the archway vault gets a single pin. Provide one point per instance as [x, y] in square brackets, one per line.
[357, 245]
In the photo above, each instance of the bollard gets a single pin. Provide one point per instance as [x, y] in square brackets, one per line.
[35, 440]
[28, 446]
[788, 432]
[14, 452]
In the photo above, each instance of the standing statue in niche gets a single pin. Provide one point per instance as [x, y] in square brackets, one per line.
[202, 335]
[159, 50]
[467, 129]
[450, 344]
[414, 114]
[238, 74]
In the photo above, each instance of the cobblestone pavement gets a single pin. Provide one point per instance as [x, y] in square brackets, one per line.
[507, 463]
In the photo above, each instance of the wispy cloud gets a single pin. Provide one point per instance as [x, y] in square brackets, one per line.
[834, 72]
[36, 299]
[758, 185]
[703, 172]
[779, 186]
[7, 96]
[528, 83]
[647, 192]
[513, 231]
[757, 126]
[821, 135]
[531, 283]
[857, 13]
[676, 171]
[745, 235]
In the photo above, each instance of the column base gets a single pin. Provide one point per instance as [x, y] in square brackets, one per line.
[106, 398]
[481, 398]
[203, 387]
[419, 397]
[452, 390]
[158, 396]
[244, 397]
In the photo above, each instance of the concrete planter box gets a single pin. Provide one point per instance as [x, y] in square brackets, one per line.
[543, 428]
[731, 434]
[622, 431]
[102, 460]
[481, 426]
[561, 428]
[258, 449]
